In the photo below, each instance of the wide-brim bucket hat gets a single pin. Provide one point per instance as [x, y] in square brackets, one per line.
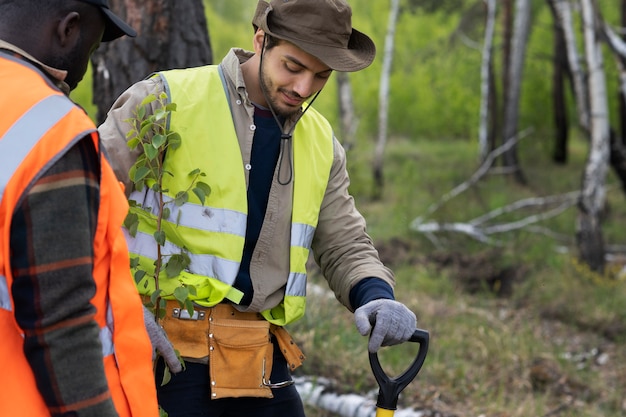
[322, 28]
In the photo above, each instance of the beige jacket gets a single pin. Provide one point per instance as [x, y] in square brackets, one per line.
[341, 246]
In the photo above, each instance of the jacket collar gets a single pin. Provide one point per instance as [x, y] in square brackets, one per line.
[57, 75]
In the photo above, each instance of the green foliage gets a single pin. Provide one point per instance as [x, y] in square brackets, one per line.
[151, 135]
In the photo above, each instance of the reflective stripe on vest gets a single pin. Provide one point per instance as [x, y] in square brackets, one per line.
[213, 235]
[15, 144]
[18, 141]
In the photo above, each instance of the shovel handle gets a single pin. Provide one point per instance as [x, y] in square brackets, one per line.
[390, 388]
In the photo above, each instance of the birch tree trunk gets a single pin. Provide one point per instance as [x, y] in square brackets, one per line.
[588, 229]
[349, 122]
[622, 95]
[516, 64]
[563, 10]
[485, 79]
[171, 34]
[383, 110]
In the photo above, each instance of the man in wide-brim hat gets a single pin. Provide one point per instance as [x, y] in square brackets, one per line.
[279, 191]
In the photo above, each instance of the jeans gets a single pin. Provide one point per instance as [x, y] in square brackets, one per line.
[188, 394]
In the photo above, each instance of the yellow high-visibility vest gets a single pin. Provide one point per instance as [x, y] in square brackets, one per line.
[213, 234]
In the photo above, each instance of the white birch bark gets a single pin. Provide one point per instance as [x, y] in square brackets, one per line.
[589, 232]
[383, 97]
[521, 28]
[348, 118]
[483, 146]
[564, 14]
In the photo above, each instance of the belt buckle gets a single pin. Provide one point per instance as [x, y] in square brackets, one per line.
[183, 314]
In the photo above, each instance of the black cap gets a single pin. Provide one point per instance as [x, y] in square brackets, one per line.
[115, 27]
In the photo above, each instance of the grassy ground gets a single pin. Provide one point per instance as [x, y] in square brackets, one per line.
[520, 329]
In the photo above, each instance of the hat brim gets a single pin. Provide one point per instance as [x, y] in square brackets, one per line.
[359, 54]
[115, 27]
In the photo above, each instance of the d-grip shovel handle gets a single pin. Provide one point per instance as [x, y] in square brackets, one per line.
[390, 388]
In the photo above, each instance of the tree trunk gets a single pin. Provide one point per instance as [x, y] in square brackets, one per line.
[516, 64]
[563, 11]
[171, 34]
[485, 79]
[588, 230]
[349, 122]
[383, 110]
[507, 35]
[558, 92]
[622, 95]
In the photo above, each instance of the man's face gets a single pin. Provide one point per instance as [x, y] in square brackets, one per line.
[290, 76]
[76, 60]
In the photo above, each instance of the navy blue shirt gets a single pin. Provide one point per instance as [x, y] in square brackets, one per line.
[263, 159]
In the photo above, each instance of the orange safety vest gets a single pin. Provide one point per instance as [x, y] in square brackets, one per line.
[38, 125]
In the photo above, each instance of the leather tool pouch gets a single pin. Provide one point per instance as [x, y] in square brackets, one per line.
[188, 335]
[292, 353]
[240, 358]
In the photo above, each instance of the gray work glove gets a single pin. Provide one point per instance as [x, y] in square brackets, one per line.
[160, 342]
[392, 323]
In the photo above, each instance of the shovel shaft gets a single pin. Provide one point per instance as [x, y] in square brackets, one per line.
[381, 412]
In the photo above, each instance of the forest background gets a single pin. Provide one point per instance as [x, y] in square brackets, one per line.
[519, 325]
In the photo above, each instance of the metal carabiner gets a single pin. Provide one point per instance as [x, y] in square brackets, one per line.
[390, 388]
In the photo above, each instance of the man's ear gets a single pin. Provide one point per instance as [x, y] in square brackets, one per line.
[68, 30]
[257, 40]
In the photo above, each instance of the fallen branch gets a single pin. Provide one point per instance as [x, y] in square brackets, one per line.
[317, 392]
[479, 228]
[482, 170]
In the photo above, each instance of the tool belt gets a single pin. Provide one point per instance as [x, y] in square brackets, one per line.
[238, 346]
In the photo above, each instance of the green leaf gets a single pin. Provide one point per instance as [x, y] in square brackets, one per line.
[194, 172]
[141, 112]
[133, 143]
[155, 296]
[150, 151]
[148, 99]
[158, 141]
[204, 186]
[167, 376]
[130, 219]
[139, 185]
[200, 194]
[140, 174]
[166, 213]
[175, 265]
[181, 198]
[174, 140]
[139, 274]
[146, 126]
[192, 289]
[181, 294]
[170, 107]
[159, 236]
[189, 306]
[159, 114]
[134, 262]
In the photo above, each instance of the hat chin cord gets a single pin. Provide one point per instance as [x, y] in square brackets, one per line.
[285, 137]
